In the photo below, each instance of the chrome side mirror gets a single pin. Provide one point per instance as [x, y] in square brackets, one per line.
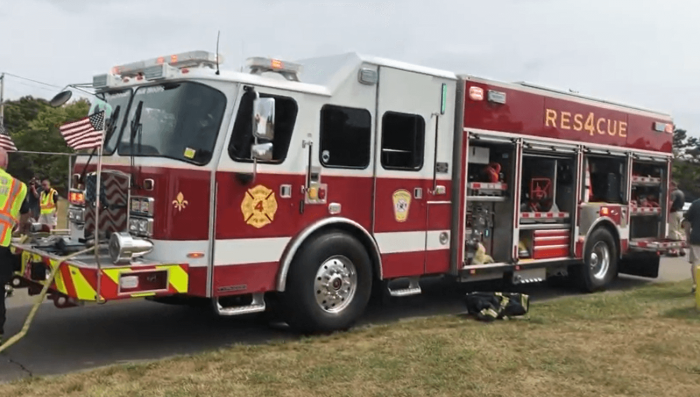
[261, 151]
[264, 118]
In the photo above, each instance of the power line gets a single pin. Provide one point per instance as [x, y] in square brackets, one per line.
[38, 88]
[32, 80]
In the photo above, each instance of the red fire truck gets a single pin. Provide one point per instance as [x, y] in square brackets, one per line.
[312, 188]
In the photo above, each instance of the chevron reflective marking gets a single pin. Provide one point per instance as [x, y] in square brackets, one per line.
[83, 289]
[178, 277]
[58, 279]
[80, 282]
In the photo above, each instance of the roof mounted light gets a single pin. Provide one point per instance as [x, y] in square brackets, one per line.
[189, 59]
[663, 127]
[260, 65]
[103, 81]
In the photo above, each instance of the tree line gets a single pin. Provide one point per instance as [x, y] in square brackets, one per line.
[686, 163]
[33, 125]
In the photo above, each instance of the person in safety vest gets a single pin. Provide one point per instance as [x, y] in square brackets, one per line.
[14, 211]
[47, 203]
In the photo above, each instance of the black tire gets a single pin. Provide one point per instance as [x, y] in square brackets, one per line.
[594, 275]
[331, 250]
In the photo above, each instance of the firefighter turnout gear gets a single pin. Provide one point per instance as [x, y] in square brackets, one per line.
[490, 306]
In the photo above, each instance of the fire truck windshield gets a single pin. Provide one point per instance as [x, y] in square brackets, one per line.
[178, 120]
[117, 100]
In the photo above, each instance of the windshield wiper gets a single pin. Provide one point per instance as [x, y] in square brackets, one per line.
[108, 134]
[135, 129]
[112, 124]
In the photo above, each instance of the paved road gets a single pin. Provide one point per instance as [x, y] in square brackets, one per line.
[76, 339]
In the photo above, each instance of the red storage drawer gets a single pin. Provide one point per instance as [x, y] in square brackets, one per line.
[549, 244]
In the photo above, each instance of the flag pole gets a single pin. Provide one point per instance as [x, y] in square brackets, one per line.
[98, 180]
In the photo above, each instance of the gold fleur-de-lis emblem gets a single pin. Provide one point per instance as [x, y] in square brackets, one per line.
[180, 203]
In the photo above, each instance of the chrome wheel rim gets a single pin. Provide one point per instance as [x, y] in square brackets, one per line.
[599, 260]
[335, 284]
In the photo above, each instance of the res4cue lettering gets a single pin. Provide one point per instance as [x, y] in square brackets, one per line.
[589, 123]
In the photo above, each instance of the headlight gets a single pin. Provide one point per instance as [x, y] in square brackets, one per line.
[76, 215]
[141, 226]
[142, 206]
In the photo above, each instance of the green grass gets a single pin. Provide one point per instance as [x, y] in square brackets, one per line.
[644, 342]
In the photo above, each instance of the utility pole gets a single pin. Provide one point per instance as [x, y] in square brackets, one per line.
[2, 101]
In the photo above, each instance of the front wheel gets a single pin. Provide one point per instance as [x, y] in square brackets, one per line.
[600, 262]
[329, 284]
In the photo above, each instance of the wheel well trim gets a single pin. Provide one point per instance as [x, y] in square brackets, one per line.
[300, 238]
[602, 222]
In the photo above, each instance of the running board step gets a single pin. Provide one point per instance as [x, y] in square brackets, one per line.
[413, 289]
[530, 276]
[256, 306]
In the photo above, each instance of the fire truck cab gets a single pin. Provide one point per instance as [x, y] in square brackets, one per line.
[312, 183]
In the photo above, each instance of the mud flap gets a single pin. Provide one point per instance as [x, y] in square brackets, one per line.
[641, 264]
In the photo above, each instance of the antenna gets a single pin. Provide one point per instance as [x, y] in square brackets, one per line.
[217, 52]
[242, 55]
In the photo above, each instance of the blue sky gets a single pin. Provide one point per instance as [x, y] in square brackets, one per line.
[641, 52]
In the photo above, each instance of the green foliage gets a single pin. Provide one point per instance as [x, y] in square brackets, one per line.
[686, 163]
[33, 125]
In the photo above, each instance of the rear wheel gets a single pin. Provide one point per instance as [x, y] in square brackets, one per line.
[328, 285]
[600, 262]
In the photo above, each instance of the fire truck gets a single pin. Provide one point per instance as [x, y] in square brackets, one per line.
[314, 184]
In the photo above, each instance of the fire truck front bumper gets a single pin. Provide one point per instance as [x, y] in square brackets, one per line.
[80, 279]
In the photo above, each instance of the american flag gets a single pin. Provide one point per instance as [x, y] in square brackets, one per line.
[86, 133]
[5, 140]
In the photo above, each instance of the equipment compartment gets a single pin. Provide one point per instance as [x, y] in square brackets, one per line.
[548, 189]
[488, 227]
[646, 200]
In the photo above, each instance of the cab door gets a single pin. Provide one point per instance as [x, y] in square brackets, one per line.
[408, 106]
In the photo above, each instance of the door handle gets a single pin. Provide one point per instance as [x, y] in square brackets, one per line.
[418, 193]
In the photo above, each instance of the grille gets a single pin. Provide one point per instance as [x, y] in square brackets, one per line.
[114, 192]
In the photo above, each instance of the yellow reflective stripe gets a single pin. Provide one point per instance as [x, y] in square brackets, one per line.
[58, 279]
[178, 277]
[113, 274]
[83, 289]
[142, 294]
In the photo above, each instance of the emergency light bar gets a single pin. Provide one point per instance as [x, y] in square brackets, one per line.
[156, 68]
[260, 65]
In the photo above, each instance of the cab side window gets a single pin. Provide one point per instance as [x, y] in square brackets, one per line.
[403, 141]
[346, 135]
[242, 139]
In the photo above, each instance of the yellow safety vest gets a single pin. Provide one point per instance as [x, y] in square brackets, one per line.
[48, 206]
[12, 194]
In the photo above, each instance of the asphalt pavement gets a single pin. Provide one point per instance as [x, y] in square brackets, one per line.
[76, 339]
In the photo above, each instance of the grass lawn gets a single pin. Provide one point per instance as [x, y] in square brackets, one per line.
[644, 342]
